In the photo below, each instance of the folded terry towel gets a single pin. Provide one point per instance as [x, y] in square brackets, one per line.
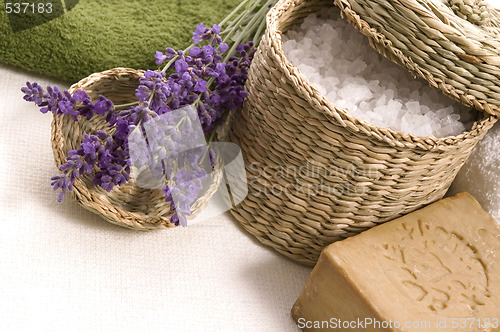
[101, 34]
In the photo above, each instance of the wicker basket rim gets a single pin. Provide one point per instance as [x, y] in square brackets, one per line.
[92, 78]
[342, 116]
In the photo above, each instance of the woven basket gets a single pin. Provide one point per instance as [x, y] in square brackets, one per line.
[127, 205]
[316, 174]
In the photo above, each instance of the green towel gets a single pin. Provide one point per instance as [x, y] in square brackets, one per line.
[101, 34]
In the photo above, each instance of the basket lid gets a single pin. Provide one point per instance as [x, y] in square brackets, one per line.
[453, 44]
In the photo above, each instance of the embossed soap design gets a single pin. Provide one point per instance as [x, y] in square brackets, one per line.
[436, 269]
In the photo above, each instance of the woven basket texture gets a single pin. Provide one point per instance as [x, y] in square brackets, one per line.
[453, 44]
[128, 205]
[316, 174]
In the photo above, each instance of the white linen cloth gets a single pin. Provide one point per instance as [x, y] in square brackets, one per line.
[63, 268]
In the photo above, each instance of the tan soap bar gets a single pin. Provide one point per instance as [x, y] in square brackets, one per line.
[436, 269]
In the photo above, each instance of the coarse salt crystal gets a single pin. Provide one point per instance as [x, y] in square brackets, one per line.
[336, 58]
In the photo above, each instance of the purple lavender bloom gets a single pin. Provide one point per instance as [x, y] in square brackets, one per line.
[108, 153]
[79, 161]
[183, 193]
[200, 86]
[90, 146]
[160, 57]
[223, 48]
[52, 98]
[208, 50]
[169, 54]
[113, 161]
[211, 154]
[153, 91]
[103, 105]
[199, 33]
[81, 95]
[62, 102]
[66, 107]
[109, 156]
[216, 29]
[181, 66]
[178, 221]
[195, 51]
[122, 130]
[85, 107]
[203, 33]
[33, 93]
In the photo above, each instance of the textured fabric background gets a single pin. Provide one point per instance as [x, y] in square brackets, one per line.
[63, 268]
[101, 34]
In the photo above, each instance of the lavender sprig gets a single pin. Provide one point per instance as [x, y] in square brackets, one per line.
[209, 76]
[63, 103]
[79, 161]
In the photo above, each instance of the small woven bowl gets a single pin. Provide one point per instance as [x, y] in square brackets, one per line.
[128, 205]
[361, 175]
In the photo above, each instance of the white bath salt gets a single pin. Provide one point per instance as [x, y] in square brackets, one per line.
[480, 176]
[337, 59]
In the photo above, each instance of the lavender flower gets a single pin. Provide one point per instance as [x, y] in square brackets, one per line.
[79, 161]
[184, 192]
[204, 33]
[169, 54]
[63, 103]
[199, 78]
[153, 91]
[113, 162]
[136, 115]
